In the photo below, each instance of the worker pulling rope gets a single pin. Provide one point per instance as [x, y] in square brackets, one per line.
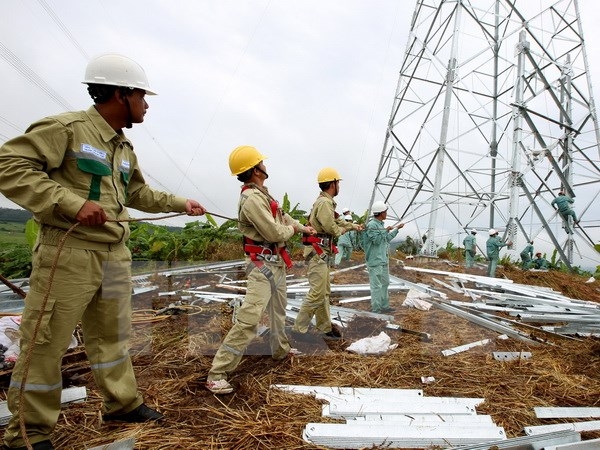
[29, 352]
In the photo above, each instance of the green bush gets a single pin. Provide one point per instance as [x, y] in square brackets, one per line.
[15, 261]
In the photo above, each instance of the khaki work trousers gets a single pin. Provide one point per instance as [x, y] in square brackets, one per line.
[316, 302]
[93, 286]
[266, 291]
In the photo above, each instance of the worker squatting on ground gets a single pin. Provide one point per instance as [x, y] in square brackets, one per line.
[78, 167]
[563, 204]
[376, 242]
[266, 229]
[346, 243]
[493, 246]
[318, 253]
[470, 244]
[526, 255]
[539, 262]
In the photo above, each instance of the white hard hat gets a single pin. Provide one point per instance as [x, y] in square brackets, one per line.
[473, 231]
[378, 207]
[348, 218]
[116, 70]
[346, 210]
[492, 232]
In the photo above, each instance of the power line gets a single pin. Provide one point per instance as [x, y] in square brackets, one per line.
[10, 124]
[63, 28]
[32, 77]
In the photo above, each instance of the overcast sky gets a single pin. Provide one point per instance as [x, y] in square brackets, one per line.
[309, 83]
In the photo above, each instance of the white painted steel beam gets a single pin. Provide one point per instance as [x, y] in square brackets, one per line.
[425, 405]
[356, 436]
[592, 444]
[68, 395]
[591, 425]
[557, 412]
[349, 391]
[539, 442]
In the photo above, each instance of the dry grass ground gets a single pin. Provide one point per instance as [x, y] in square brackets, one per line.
[172, 356]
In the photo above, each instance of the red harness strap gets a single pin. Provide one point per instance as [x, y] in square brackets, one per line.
[261, 251]
[319, 243]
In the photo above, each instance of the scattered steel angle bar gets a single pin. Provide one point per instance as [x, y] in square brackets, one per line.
[339, 390]
[573, 305]
[462, 276]
[484, 306]
[576, 330]
[564, 311]
[202, 268]
[465, 347]
[424, 405]
[592, 444]
[354, 299]
[69, 395]
[381, 419]
[558, 412]
[143, 290]
[511, 356]
[356, 436]
[538, 442]
[304, 281]
[339, 288]
[215, 297]
[346, 269]
[503, 321]
[123, 444]
[486, 323]
[231, 288]
[468, 292]
[554, 318]
[418, 287]
[542, 293]
[449, 286]
[591, 425]
[295, 304]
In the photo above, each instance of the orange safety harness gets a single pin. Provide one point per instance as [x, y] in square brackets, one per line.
[266, 251]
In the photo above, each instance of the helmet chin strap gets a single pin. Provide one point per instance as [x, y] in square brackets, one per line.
[129, 123]
[129, 118]
[262, 171]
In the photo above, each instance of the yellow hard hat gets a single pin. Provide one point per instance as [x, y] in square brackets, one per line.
[328, 174]
[243, 158]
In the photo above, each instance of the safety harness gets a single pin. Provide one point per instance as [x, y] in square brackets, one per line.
[266, 251]
[319, 242]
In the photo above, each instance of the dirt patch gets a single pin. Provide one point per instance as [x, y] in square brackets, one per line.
[172, 356]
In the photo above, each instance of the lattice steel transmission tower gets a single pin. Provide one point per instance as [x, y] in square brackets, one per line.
[493, 113]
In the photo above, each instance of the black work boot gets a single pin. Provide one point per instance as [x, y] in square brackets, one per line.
[140, 414]
[334, 334]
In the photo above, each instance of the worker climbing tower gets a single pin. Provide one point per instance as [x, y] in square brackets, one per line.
[492, 115]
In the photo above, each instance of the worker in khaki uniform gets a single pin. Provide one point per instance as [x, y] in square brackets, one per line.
[266, 229]
[78, 167]
[318, 252]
